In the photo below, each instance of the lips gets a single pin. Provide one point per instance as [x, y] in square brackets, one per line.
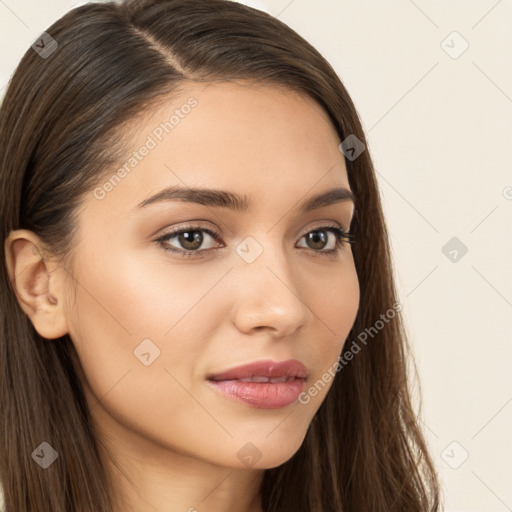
[261, 378]
[264, 371]
[262, 384]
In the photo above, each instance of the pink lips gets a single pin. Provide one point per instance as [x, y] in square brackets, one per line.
[263, 384]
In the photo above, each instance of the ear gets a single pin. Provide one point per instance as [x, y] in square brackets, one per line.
[38, 283]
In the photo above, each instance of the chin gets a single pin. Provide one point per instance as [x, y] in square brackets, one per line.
[266, 453]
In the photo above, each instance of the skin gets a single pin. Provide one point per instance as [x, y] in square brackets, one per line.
[170, 442]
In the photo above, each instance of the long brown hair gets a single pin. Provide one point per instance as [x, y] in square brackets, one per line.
[60, 125]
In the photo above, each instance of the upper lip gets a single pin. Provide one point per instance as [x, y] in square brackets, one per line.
[266, 368]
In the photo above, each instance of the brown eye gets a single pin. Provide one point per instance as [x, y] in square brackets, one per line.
[318, 239]
[189, 240]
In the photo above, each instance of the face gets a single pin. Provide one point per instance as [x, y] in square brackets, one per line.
[155, 313]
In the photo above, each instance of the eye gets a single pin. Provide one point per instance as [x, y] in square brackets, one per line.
[317, 239]
[191, 239]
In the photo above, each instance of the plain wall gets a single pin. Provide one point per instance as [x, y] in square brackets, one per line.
[439, 126]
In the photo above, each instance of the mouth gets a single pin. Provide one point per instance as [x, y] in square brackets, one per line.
[262, 378]
[265, 370]
[262, 384]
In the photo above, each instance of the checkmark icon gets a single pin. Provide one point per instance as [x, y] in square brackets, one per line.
[249, 249]
[455, 455]
[454, 45]
[45, 45]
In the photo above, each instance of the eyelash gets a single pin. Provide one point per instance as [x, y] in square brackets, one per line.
[340, 234]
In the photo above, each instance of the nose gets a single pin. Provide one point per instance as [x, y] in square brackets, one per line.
[269, 295]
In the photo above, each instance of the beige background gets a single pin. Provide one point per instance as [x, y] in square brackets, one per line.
[439, 126]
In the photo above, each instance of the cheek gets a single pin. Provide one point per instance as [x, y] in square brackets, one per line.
[334, 300]
[130, 298]
[133, 315]
[341, 292]
[138, 338]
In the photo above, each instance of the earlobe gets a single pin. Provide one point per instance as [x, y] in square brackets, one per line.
[38, 283]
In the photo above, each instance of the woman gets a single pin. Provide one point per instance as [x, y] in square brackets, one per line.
[198, 305]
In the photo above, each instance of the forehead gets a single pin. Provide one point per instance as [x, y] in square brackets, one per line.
[249, 138]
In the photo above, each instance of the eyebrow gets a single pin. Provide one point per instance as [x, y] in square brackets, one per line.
[241, 203]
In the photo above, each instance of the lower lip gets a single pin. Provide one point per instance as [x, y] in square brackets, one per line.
[263, 395]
